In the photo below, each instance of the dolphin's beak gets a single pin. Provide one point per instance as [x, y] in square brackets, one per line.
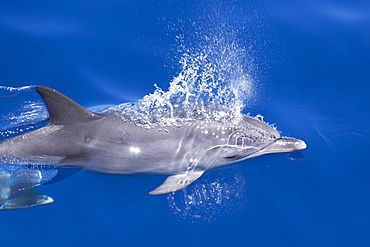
[288, 144]
[284, 145]
[301, 145]
[281, 145]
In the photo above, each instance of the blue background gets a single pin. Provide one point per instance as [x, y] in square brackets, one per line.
[314, 60]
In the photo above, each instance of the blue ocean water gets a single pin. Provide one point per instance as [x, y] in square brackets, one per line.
[309, 61]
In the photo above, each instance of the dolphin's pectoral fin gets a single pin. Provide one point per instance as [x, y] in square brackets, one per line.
[79, 160]
[177, 182]
[62, 174]
[70, 165]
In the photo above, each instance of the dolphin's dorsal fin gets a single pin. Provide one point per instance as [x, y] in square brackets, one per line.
[177, 182]
[63, 110]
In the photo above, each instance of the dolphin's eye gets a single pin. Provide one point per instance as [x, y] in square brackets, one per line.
[233, 157]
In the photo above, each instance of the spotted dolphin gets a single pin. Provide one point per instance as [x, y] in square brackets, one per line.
[108, 143]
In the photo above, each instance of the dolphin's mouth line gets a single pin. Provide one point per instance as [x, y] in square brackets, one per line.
[299, 145]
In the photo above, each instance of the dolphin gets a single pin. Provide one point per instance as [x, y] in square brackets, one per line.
[108, 143]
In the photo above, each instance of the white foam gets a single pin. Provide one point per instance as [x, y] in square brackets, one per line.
[214, 83]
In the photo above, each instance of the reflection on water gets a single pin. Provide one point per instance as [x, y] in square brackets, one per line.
[209, 198]
[17, 186]
[296, 156]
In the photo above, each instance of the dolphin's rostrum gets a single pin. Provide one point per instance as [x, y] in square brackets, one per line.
[108, 143]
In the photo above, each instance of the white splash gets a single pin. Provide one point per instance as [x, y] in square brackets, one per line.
[215, 83]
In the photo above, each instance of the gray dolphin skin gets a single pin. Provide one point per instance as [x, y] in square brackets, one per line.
[108, 143]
